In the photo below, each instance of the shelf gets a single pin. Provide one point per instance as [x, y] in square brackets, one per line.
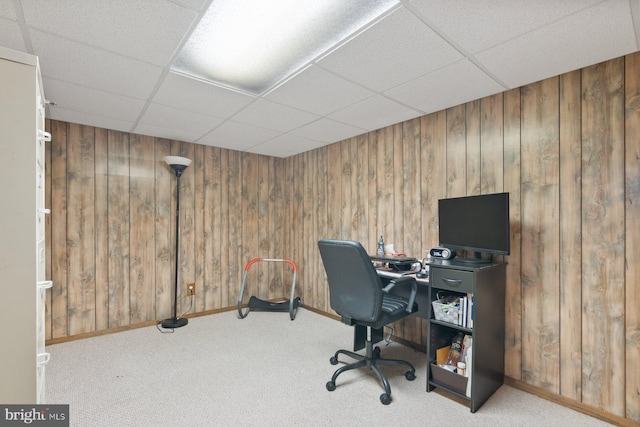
[448, 389]
[451, 325]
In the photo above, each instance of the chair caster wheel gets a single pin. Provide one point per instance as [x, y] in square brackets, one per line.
[331, 386]
[385, 398]
[410, 375]
[333, 360]
[376, 352]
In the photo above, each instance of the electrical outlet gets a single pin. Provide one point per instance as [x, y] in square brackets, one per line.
[191, 289]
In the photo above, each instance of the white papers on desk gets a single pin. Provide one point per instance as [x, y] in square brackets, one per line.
[393, 274]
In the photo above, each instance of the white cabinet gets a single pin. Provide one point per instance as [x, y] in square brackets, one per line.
[23, 283]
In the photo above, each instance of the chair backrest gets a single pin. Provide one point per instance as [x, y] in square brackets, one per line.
[355, 290]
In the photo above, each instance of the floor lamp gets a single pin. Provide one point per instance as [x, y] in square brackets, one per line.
[178, 164]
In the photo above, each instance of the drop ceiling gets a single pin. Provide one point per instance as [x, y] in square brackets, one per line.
[107, 63]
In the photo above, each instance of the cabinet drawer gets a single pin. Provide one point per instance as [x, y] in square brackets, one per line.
[452, 280]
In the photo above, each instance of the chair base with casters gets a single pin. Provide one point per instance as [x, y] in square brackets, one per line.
[370, 360]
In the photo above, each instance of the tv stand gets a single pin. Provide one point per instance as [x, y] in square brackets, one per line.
[485, 286]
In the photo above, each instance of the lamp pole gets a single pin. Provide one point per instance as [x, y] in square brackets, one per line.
[178, 164]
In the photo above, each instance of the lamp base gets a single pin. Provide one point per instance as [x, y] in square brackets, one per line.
[174, 323]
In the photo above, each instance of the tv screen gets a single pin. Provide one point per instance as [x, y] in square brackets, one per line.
[475, 223]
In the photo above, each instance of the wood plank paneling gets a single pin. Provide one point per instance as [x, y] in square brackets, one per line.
[456, 172]
[540, 230]
[603, 355]
[322, 295]
[433, 155]
[570, 237]
[513, 292]
[250, 237]
[212, 228]
[199, 159]
[632, 235]
[101, 229]
[236, 258]
[473, 151]
[59, 257]
[307, 247]
[118, 223]
[397, 184]
[80, 229]
[492, 144]
[385, 173]
[142, 253]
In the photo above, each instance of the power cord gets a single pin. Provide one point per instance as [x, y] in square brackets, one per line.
[190, 307]
[172, 330]
[387, 339]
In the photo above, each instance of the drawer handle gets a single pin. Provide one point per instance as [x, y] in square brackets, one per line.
[45, 284]
[46, 358]
[452, 282]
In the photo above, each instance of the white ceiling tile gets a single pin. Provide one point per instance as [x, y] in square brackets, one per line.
[327, 131]
[83, 118]
[323, 92]
[91, 101]
[269, 115]
[395, 50]
[192, 4]
[194, 95]
[479, 25]
[453, 85]
[286, 145]
[87, 66]
[591, 36]
[10, 35]
[149, 30]
[375, 113]
[174, 133]
[175, 123]
[8, 10]
[237, 136]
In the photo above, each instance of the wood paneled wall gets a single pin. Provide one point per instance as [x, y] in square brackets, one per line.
[567, 149]
[112, 228]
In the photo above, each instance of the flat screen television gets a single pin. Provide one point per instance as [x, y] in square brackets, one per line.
[475, 223]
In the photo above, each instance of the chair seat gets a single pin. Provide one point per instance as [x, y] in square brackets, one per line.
[392, 304]
[393, 308]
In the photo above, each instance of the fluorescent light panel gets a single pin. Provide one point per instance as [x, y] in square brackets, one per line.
[251, 45]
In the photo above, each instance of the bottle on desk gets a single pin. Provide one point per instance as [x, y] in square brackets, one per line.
[380, 250]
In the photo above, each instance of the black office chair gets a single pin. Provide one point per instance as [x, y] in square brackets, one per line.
[358, 296]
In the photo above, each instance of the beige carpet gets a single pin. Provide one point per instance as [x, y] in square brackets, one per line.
[264, 370]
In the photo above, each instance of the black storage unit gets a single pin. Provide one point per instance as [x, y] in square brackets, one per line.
[486, 283]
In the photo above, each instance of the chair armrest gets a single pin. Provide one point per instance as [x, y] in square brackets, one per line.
[403, 281]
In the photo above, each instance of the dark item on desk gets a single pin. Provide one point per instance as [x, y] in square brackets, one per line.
[442, 253]
[356, 293]
[422, 275]
[399, 263]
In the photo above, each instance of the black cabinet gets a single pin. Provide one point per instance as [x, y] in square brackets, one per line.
[485, 284]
